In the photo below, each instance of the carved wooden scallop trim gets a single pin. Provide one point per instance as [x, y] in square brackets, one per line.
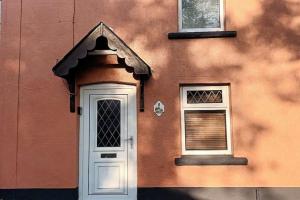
[123, 51]
[88, 43]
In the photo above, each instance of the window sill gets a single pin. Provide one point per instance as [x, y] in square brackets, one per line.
[193, 35]
[210, 160]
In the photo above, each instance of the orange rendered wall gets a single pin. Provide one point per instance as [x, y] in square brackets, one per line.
[39, 137]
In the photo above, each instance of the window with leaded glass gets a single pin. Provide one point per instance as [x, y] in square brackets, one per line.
[201, 15]
[108, 123]
[205, 120]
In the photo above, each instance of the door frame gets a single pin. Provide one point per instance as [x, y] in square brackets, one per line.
[109, 88]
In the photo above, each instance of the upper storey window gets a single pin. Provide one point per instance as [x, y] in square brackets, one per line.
[201, 15]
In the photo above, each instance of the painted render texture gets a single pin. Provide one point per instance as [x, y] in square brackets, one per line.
[39, 136]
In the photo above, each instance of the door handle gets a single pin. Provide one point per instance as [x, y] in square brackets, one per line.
[130, 139]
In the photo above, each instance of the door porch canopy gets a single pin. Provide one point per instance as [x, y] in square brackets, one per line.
[100, 40]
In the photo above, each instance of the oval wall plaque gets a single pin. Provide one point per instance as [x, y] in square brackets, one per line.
[159, 108]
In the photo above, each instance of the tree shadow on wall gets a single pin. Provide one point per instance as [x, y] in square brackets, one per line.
[269, 32]
[277, 29]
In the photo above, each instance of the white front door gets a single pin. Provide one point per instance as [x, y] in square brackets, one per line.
[108, 143]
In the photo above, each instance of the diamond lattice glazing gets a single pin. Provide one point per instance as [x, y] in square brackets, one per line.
[204, 96]
[108, 123]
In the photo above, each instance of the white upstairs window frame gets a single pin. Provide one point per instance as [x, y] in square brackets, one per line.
[222, 20]
[224, 106]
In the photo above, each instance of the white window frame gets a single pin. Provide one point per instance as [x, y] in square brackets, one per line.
[222, 20]
[225, 106]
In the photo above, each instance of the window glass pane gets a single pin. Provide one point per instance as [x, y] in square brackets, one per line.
[205, 130]
[201, 14]
[204, 96]
[108, 123]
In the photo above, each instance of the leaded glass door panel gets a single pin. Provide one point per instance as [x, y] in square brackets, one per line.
[108, 123]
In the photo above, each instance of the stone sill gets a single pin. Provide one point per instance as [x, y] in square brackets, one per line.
[210, 160]
[194, 35]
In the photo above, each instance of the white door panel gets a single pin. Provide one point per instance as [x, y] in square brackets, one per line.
[108, 143]
[109, 178]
